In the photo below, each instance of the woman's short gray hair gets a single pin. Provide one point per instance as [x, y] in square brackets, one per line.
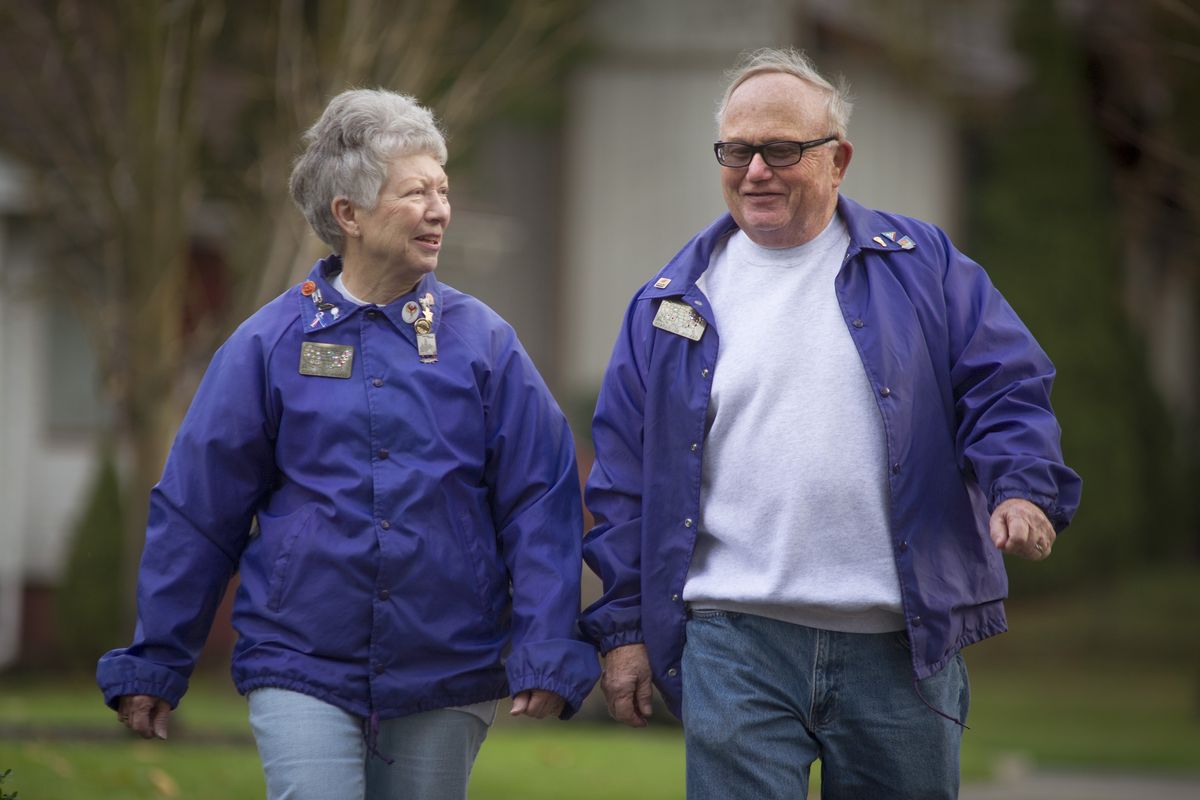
[348, 151]
[839, 104]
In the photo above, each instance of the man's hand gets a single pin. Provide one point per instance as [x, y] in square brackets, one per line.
[626, 684]
[145, 715]
[1020, 528]
[537, 703]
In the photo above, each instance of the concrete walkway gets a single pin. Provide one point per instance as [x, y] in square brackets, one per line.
[1084, 786]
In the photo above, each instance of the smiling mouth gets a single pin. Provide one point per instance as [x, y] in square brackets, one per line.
[430, 238]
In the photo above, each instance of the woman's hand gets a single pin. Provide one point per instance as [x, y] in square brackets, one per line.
[537, 703]
[145, 715]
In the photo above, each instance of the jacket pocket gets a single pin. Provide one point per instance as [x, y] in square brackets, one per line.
[293, 528]
[485, 564]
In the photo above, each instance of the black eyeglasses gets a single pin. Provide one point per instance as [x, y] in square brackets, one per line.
[775, 154]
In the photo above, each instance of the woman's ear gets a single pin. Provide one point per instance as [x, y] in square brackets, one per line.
[346, 215]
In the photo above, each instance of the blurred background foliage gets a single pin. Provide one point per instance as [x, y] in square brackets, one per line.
[1075, 185]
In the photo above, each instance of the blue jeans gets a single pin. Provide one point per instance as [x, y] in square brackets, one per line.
[311, 750]
[763, 700]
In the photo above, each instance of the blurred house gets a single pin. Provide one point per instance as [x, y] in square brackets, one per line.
[555, 228]
[50, 413]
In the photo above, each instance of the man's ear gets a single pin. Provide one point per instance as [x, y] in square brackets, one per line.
[841, 160]
[346, 215]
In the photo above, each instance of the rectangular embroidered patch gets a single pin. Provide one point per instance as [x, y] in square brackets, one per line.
[680, 319]
[326, 360]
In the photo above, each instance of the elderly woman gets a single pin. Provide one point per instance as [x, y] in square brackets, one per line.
[417, 549]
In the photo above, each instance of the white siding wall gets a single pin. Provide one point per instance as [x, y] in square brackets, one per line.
[906, 151]
[42, 477]
[16, 409]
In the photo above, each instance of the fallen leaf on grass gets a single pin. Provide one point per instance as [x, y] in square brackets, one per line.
[163, 783]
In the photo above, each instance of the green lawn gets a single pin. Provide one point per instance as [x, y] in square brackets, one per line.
[1107, 679]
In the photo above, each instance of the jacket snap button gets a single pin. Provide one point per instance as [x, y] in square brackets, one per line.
[687, 523]
[885, 391]
[672, 672]
[858, 323]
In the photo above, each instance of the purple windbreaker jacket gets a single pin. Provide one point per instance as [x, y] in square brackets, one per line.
[964, 392]
[419, 524]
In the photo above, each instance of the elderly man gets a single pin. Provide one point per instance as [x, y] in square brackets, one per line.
[820, 429]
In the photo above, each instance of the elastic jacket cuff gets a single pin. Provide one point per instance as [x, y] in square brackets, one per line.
[567, 667]
[119, 674]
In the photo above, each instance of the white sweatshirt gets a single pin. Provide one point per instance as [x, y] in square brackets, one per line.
[794, 494]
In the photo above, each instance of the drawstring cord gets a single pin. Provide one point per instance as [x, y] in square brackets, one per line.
[371, 737]
[917, 688]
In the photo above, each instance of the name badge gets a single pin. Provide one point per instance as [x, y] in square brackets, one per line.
[427, 348]
[680, 319]
[326, 360]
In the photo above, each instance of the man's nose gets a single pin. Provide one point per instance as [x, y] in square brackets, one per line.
[758, 169]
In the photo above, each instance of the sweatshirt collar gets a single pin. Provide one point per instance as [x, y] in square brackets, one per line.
[869, 230]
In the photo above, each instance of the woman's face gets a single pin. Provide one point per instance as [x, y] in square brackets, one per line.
[404, 230]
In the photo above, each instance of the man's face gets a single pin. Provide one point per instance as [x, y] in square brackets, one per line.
[782, 206]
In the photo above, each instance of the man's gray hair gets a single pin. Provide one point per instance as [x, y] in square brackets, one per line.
[348, 151]
[838, 104]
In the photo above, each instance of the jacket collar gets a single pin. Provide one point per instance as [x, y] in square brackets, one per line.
[681, 272]
[869, 230]
[321, 306]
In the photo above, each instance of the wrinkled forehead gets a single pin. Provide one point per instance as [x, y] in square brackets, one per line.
[424, 167]
[775, 105]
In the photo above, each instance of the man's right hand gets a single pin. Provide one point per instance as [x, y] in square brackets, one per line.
[145, 715]
[626, 684]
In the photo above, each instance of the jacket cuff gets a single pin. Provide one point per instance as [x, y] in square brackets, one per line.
[619, 639]
[118, 674]
[609, 625]
[1057, 515]
[567, 667]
